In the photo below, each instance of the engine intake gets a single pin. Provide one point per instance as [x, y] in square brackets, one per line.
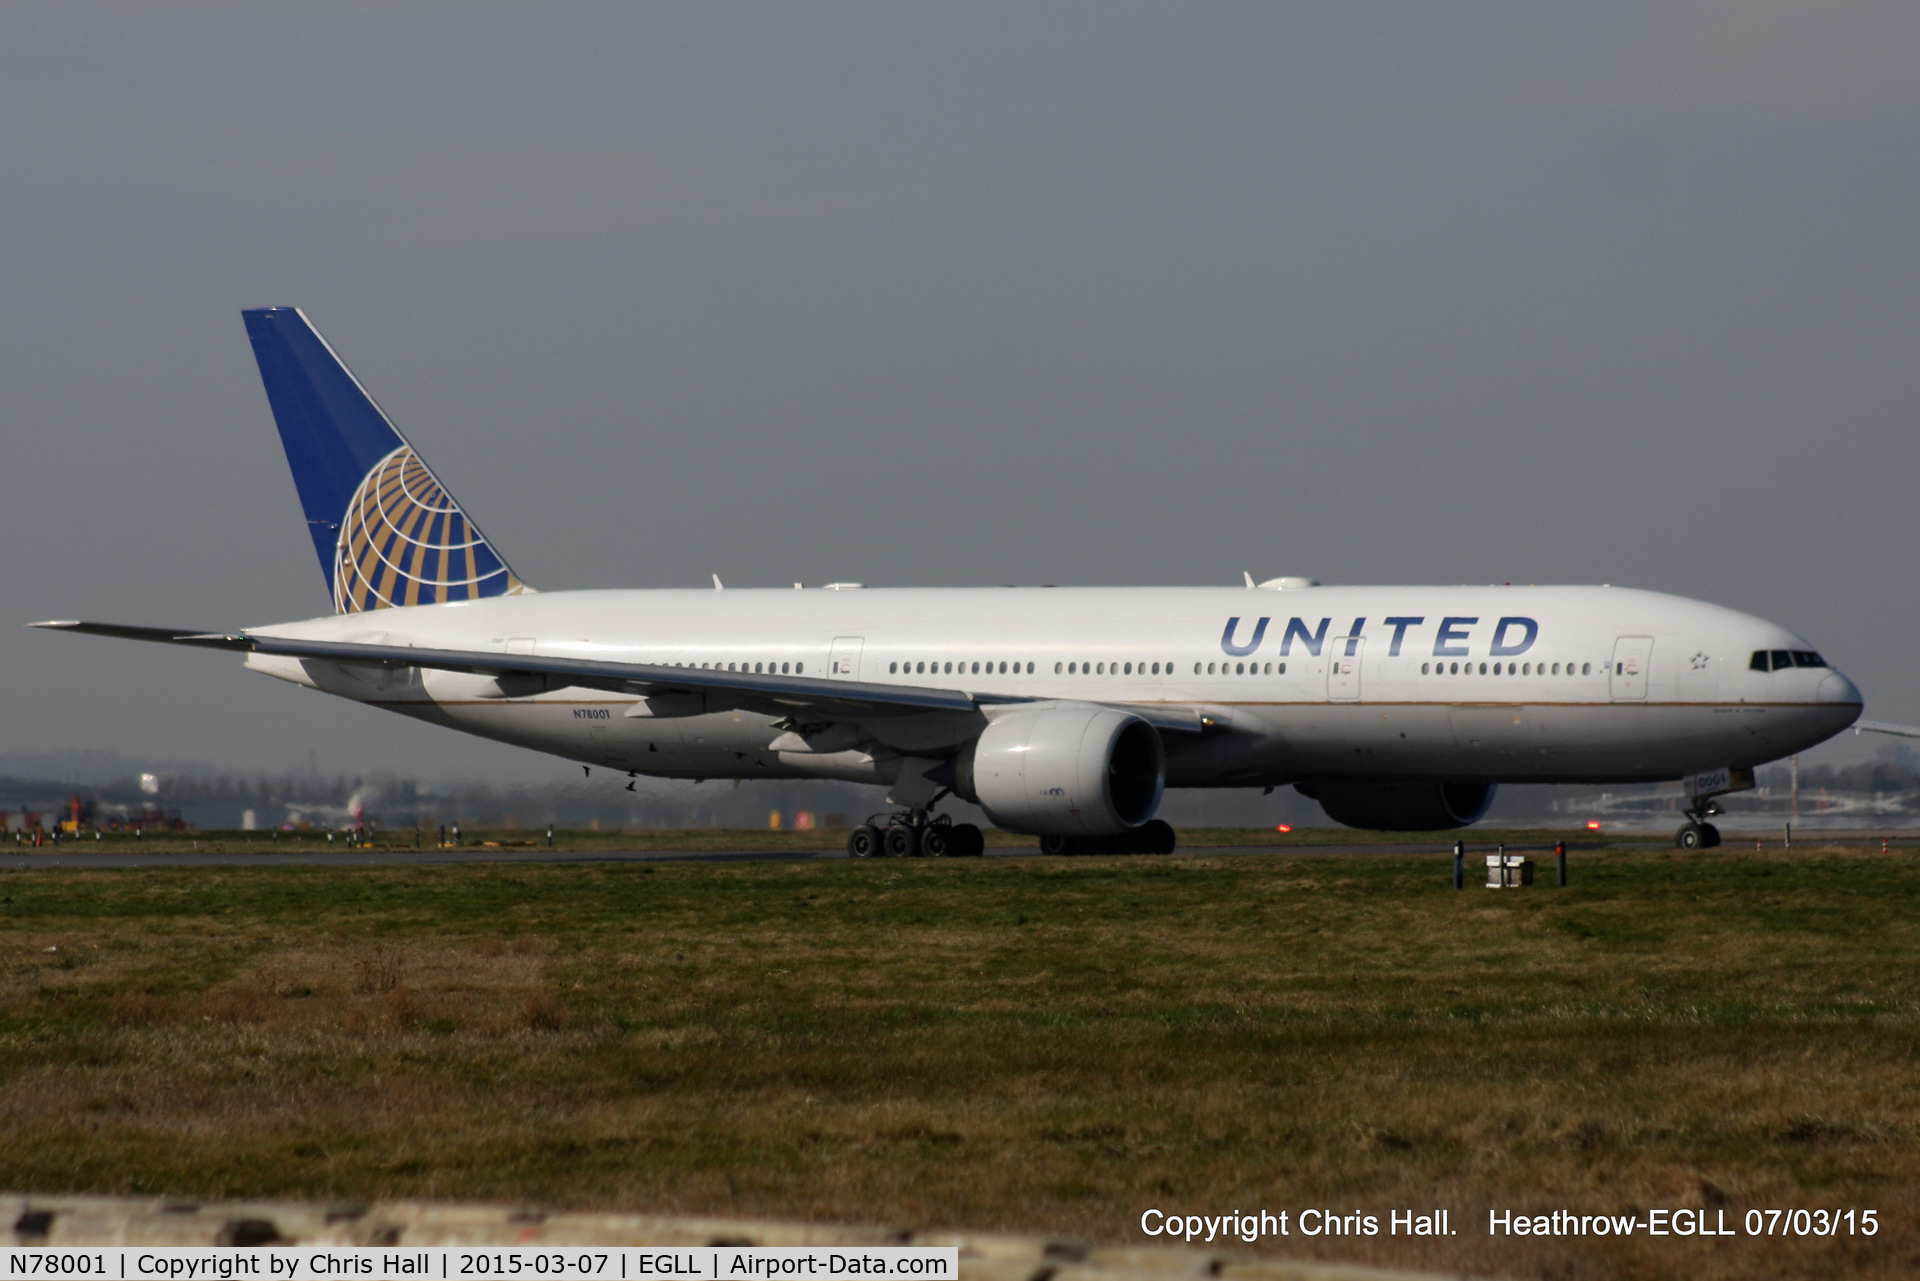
[1401, 805]
[1066, 771]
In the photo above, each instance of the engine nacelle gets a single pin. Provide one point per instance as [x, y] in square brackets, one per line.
[1401, 805]
[1066, 771]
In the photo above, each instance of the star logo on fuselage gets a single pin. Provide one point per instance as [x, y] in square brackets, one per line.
[1699, 662]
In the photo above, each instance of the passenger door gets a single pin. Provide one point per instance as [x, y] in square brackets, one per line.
[1343, 669]
[844, 665]
[1632, 655]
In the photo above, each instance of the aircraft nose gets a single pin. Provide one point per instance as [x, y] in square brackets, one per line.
[1838, 689]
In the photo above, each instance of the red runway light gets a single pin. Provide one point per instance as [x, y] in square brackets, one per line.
[1593, 825]
[1284, 827]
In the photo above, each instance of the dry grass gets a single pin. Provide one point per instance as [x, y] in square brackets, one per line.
[1003, 1044]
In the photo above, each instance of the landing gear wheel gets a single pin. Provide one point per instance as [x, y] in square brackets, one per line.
[965, 841]
[863, 841]
[1056, 845]
[1155, 837]
[901, 841]
[936, 841]
[1711, 835]
[1693, 836]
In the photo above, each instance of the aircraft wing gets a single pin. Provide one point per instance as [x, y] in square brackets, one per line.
[724, 691]
[1882, 727]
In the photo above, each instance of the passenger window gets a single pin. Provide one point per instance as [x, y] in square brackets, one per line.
[1058, 668]
[1453, 669]
[1283, 669]
[1029, 669]
[1269, 669]
[1209, 669]
[1003, 669]
[1483, 669]
[1128, 670]
[784, 667]
[1586, 669]
[1196, 669]
[1496, 669]
[1424, 667]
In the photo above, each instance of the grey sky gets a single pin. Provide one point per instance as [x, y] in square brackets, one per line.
[955, 294]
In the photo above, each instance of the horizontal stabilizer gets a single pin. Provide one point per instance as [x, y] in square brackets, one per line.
[163, 635]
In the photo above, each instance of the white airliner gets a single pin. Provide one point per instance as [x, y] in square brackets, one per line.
[1061, 712]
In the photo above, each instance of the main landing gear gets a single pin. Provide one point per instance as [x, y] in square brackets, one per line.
[1153, 837]
[915, 834]
[1696, 833]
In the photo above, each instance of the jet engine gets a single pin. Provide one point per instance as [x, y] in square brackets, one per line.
[1064, 771]
[1395, 805]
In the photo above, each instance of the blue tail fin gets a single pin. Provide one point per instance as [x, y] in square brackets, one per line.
[387, 531]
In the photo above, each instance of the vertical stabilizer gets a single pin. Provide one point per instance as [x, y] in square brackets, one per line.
[387, 531]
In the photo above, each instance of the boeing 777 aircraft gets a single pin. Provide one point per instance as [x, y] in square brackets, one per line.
[1061, 712]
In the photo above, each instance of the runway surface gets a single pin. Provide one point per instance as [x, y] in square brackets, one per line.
[435, 858]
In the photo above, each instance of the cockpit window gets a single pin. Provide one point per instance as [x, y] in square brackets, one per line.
[1780, 659]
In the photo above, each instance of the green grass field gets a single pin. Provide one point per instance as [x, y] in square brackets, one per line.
[751, 839]
[1023, 1044]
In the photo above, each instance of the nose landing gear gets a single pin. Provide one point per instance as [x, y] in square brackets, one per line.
[1696, 833]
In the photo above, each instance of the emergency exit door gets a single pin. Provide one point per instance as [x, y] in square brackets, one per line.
[1627, 682]
[1343, 668]
[844, 664]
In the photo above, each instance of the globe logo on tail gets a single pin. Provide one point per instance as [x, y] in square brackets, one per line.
[404, 541]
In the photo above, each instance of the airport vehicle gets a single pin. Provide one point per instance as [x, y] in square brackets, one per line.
[1061, 712]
